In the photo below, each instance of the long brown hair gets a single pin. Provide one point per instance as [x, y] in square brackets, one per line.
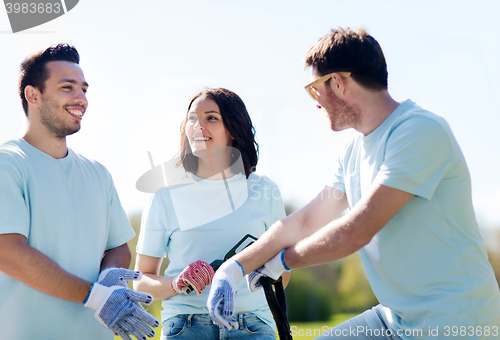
[238, 123]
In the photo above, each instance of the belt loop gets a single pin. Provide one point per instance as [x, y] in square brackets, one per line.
[240, 320]
[188, 322]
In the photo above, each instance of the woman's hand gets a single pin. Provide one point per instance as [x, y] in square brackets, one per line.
[198, 275]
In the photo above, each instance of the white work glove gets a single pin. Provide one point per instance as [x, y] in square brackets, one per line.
[118, 277]
[119, 309]
[220, 301]
[198, 275]
[273, 269]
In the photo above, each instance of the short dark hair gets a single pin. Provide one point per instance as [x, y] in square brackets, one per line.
[237, 122]
[34, 71]
[351, 50]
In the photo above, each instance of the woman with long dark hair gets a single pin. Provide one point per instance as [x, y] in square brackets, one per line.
[213, 198]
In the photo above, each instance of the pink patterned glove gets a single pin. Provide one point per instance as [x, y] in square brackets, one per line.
[198, 275]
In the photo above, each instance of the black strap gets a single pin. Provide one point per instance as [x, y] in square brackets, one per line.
[277, 303]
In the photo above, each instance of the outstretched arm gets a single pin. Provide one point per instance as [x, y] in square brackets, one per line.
[324, 208]
[311, 236]
[351, 232]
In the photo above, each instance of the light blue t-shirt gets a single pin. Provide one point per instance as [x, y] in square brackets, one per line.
[69, 210]
[212, 223]
[428, 265]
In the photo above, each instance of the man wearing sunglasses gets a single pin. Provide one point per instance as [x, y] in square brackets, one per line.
[407, 187]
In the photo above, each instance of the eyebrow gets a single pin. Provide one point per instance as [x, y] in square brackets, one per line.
[72, 81]
[194, 112]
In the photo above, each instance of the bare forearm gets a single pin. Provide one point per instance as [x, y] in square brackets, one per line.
[152, 283]
[118, 257]
[351, 232]
[158, 286]
[331, 243]
[324, 208]
[31, 267]
[281, 235]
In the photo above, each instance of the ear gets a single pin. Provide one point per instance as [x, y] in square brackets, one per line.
[338, 84]
[33, 95]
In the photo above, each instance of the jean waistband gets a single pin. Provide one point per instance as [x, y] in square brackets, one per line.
[241, 318]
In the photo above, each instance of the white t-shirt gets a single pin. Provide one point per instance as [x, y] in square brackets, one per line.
[428, 265]
[69, 210]
[202, 220]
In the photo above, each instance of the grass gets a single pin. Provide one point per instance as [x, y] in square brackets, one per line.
[300, 330]
[311, 330]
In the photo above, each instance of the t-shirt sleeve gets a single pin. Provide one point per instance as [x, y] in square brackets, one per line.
[14, 207]
[418, 156]
[277, 206]
[153, 237]
[120, 231]
[336, 181]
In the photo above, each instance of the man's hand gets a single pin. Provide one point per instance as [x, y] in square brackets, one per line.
[198, 275]
[221, 298]
[273, 269]
[119, 309]
[117, 277]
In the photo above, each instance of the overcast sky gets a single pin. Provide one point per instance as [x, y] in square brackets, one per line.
[144, 60]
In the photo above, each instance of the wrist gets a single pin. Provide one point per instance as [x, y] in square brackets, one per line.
[233, 269]
[98, 295]
[282, 256]
[173, 285]
[88, 294]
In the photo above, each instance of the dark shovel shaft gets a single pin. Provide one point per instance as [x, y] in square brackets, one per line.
[277, 303]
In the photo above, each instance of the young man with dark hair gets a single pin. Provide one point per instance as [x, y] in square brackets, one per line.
[62, 226]
[407, 187]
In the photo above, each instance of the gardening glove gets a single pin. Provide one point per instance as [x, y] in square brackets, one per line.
[117, 277]
[273, 269]
[221, 298]
[198, 275]
[119, 309]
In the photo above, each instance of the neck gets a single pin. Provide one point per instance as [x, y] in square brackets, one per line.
[375, 108]
[213, 169]
[44, 141]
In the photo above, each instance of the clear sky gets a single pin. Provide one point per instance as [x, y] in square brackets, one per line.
[144, 60]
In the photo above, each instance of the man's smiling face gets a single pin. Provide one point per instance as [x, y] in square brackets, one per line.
[63, 100]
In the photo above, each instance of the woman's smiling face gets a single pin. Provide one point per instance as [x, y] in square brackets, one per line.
[204, 127]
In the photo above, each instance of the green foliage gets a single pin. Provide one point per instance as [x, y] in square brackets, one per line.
[308, 298]
[353, 286]
[316, 293]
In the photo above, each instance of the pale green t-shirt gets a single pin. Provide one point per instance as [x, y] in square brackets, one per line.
[69, 210]
[203, 219]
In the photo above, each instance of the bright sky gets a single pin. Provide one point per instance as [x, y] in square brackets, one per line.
[144, 60]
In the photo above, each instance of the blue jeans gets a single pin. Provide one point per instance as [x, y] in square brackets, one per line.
[369, 325]
[200, 326]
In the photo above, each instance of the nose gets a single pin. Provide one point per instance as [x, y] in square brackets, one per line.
[81, 98]
[198, 125]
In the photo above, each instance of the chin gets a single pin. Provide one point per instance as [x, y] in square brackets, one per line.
[199, 152]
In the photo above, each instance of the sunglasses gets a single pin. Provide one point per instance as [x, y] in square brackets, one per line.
[310, 87]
